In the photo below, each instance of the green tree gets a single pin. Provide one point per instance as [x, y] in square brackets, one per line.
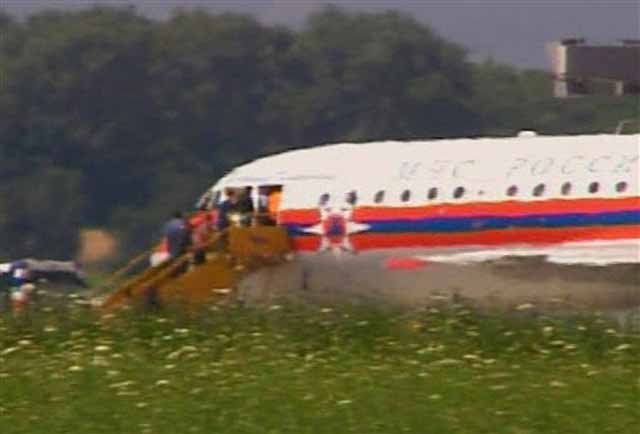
[377, 76]
[40, 214]
[79, 89]
[509, 100]
[211, 77]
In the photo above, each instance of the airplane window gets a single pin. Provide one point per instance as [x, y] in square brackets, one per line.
[594, 187]
[351, 198]
[539, 190]
[433, 193]
[621, 187]
[405, 196]
[324, 199]
[512, 191]
[566, 189]
[458, 192]
[379, 196]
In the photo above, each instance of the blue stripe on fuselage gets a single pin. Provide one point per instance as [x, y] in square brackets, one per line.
[477, 223]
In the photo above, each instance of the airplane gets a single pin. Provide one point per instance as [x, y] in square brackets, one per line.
[384, 216]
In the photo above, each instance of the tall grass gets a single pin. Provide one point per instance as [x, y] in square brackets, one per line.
[301, 369]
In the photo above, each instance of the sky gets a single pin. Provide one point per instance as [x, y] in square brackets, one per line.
[509, 31]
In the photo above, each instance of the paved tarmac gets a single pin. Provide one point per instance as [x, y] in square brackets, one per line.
[504, 284]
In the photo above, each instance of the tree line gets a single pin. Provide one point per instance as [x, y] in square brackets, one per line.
[111, 119]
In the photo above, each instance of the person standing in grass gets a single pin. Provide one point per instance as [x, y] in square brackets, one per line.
[20, 285]
[4, 284]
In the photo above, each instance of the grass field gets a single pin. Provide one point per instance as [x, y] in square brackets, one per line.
[301, 369]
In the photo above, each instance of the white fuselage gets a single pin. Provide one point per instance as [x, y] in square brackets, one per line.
[456, 189]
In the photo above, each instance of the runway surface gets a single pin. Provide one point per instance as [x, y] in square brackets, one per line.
[508, 283]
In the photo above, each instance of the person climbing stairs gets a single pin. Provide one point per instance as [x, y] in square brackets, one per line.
[220, 266]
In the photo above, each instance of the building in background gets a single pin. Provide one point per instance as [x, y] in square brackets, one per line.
[582, 69]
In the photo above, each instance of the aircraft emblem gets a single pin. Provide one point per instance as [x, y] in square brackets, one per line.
[336, 226]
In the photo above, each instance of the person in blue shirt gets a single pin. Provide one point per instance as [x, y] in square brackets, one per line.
[176, 231]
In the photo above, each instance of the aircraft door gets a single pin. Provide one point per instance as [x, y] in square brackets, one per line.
[269, 204]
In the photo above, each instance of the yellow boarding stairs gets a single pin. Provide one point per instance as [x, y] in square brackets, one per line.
[230, 255]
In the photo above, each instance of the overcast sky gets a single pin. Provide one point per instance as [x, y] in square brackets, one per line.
[511, 31]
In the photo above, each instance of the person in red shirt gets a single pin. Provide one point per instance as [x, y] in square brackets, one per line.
[201, 232]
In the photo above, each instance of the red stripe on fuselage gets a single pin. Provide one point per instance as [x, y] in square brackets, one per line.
[498, 209]
[529, 236]
[309, 216]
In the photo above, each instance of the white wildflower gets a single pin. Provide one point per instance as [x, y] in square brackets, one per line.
[8, 351]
